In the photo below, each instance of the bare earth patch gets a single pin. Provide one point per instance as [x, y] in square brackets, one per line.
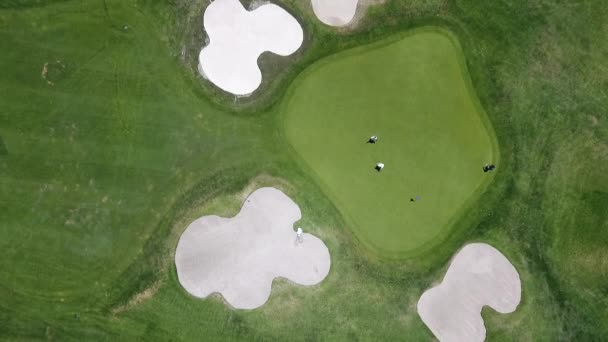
[58, 67]
[239, 257]
[138, 298]
[238, 37]
[479, 275]
[594, 120]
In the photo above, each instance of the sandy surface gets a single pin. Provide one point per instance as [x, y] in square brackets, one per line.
[240, 256]
[335, 12]
[479, 275]
[237, 37]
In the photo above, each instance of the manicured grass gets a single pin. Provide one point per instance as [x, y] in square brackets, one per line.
[105, 168]
[95, 159]
[414, 94]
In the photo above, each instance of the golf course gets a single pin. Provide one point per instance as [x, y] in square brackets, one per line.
[414, 93]
[167, 177]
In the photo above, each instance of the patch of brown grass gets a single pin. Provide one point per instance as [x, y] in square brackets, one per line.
[138, 298]
[45, 72]
[594, 120]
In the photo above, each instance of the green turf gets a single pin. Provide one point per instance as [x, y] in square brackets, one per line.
[107, 166]
[3, 150]
[413, 93]
[99, 155]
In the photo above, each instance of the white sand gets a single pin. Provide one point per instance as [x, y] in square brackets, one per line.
[335, 12]
[238, 38]
[479, 275]
[239, 257]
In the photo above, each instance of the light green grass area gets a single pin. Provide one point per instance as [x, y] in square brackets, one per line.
[414, 94]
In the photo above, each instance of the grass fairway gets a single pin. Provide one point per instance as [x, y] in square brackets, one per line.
[103, 168]
[414, 94]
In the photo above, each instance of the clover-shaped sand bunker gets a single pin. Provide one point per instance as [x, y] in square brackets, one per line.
[238, 37]
[479, 275]
[335, 12]
[239, 257]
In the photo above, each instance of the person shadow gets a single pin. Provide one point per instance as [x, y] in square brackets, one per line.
[298, 241]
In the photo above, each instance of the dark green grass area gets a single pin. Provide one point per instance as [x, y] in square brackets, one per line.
[413, 94]
[97, 157]
[3, 150]
[107, 165]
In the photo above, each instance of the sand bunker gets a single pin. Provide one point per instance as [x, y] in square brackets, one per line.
[335, 12]
[240, 256]
[479, 275]
[238, 37]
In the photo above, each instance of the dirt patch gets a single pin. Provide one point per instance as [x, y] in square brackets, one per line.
[138, 298]
[594, 120]
[52, 72]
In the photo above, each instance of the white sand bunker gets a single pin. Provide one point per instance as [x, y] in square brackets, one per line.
[238, 37]
[335, 12]
[240, 256]
[479, 275]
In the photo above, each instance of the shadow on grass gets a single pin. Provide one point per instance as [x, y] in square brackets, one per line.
[3, 149]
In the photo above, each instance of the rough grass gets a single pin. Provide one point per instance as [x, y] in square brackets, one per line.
[3, 150]
[107, 165]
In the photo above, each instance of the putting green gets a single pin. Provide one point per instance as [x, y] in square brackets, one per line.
[414, 93]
